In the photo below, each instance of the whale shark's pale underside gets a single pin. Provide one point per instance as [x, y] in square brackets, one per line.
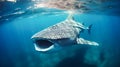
[62, 34]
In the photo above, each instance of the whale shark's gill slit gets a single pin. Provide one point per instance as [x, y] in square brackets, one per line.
[43, 43]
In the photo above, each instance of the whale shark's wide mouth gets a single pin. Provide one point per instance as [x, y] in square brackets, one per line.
[43, 43]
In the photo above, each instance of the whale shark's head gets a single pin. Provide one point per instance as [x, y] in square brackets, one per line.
[44, 42]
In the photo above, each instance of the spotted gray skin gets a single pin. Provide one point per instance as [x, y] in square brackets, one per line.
[62, 34]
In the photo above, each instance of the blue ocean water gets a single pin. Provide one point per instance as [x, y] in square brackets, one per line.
[17, 49]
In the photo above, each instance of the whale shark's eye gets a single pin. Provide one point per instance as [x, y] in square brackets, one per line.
[43, 43]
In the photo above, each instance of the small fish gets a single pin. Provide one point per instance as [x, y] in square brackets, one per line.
[65, 33]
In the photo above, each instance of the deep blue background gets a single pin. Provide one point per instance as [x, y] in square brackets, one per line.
[17, 49]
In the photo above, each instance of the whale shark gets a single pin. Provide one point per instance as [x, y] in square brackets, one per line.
[60, 35]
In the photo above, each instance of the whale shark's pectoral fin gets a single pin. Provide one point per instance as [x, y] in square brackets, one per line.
[83, 41]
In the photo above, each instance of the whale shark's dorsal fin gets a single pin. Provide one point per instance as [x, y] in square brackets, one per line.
[71, 15]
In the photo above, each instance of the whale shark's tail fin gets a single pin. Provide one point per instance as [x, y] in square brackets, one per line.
[89, 30]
